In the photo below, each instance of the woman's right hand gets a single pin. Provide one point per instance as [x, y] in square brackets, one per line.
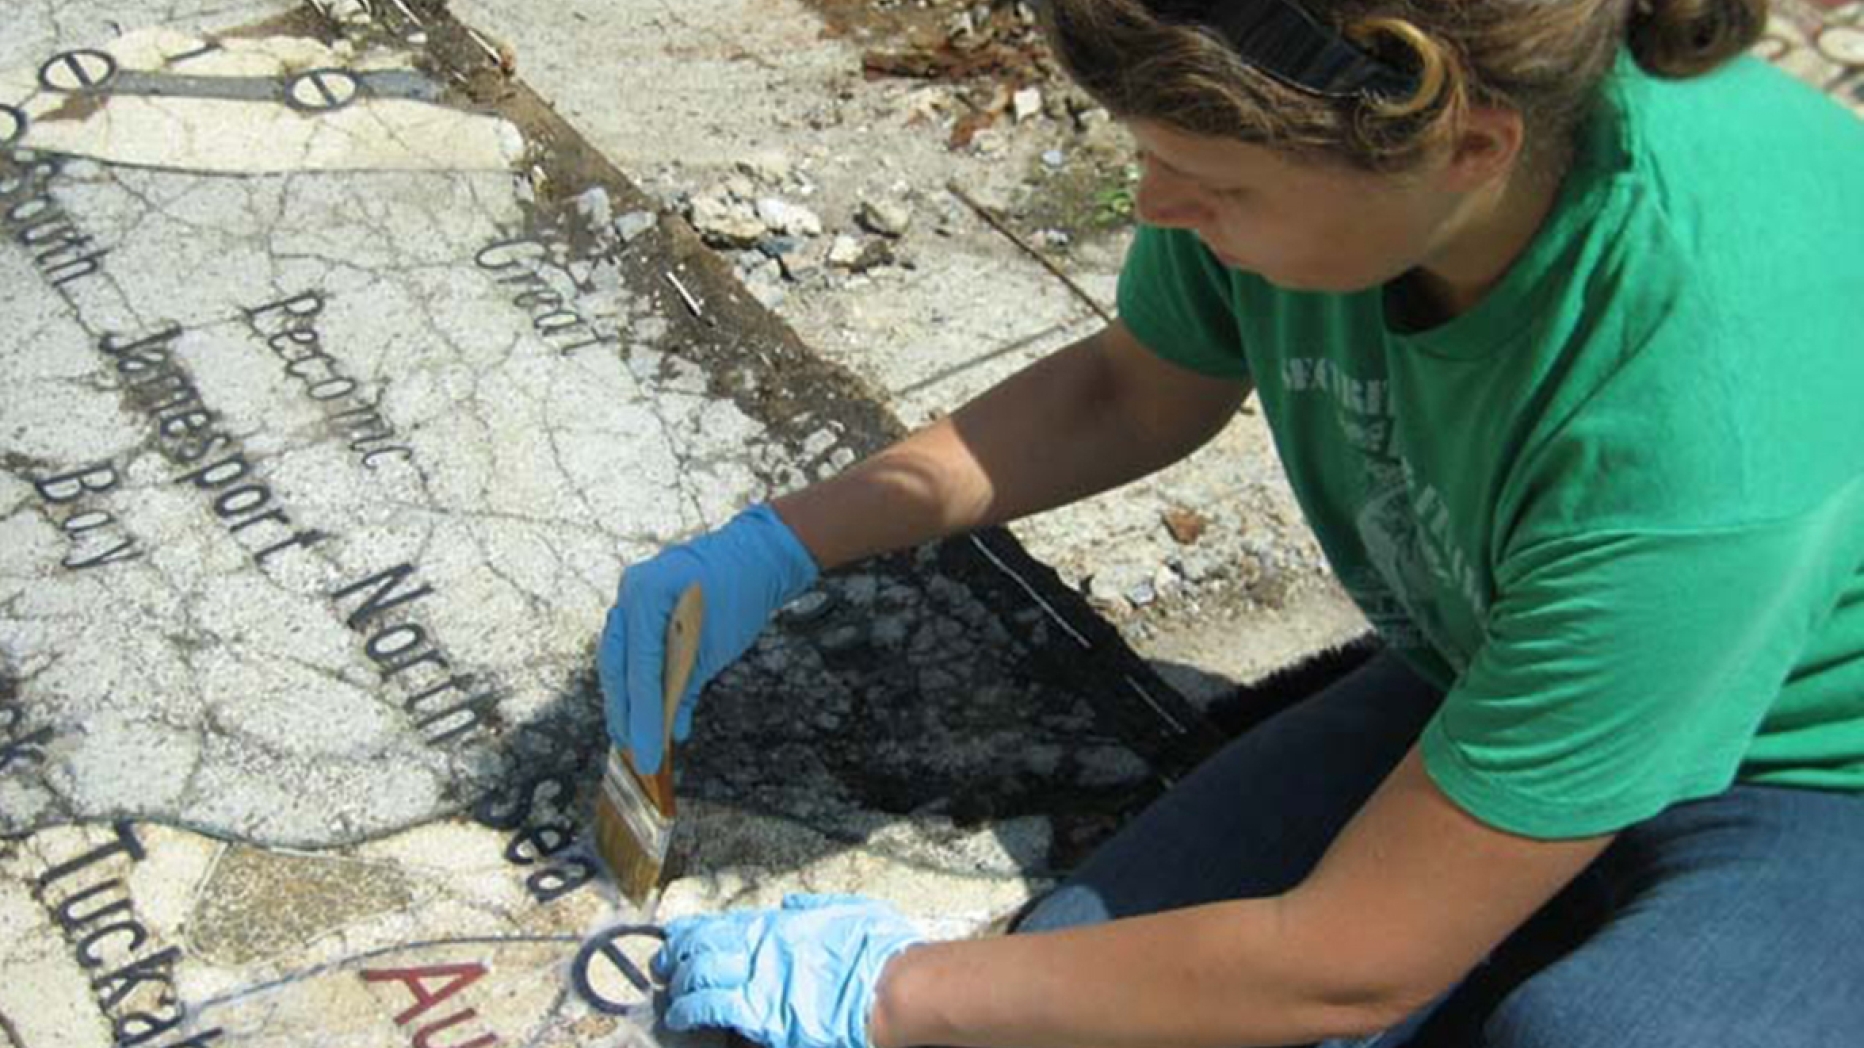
[747, 570]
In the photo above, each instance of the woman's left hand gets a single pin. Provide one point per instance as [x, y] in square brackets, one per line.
[801, 976]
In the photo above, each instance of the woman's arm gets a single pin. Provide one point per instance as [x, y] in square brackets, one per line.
[1087, 418]
[1412, 895]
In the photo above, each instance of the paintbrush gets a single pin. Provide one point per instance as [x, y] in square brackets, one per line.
[634, 812]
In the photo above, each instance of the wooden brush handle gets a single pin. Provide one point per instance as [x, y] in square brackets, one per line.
[682, 651]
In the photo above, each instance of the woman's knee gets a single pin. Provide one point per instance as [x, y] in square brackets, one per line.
[1538, 1017]
[1654, 1008]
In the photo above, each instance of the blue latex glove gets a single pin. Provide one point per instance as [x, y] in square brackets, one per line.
[747, 569]
[802, 976]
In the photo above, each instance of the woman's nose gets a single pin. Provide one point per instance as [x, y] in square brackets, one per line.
[1164, 199]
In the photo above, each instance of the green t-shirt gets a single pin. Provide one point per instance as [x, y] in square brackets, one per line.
[1617, 509]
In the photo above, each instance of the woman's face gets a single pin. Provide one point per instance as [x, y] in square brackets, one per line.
[1299, 224]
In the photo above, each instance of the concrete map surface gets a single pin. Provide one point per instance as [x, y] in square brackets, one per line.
[341, 378]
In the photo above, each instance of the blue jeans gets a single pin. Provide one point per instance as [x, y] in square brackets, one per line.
[1733, 921]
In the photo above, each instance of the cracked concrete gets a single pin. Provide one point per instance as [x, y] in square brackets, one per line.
[321, 452]
[509, 454]
[168, 99]
[316, 476]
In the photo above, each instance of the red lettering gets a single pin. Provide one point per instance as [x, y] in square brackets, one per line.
[456, 978]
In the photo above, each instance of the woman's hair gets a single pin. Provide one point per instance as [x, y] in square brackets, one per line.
[1541, 58]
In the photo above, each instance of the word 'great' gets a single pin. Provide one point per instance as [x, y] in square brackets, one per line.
[523, 260]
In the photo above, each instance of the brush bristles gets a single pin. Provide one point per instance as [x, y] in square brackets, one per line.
[631, 829]
[636, 870]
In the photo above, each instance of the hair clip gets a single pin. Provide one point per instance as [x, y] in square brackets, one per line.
[1284, 41]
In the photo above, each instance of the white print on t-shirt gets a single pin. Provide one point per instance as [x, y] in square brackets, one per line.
[1368, 397]
[1402, 521]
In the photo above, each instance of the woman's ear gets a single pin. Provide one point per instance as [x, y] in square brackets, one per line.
[1486, 148]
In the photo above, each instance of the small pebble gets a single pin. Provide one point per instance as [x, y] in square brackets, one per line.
[807, 606]
[631, 225]
[886, 217]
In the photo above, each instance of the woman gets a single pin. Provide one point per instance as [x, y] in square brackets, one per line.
[1551, 307]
